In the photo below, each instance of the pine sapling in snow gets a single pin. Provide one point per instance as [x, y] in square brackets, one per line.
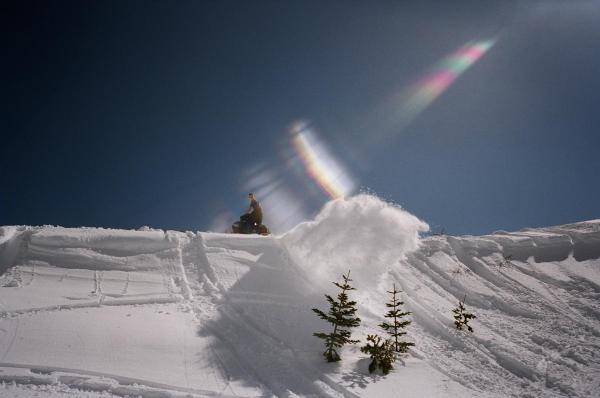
[395, 327]
[462, 317]
[505, 262]
[342, 315]
[382, 353]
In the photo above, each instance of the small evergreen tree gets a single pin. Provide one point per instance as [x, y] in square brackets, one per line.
[342, 315]
[505, 262]
[381, 352]
[396, 325]
[462, 317]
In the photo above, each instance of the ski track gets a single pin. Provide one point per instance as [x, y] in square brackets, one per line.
[537, 331]
[114, 384]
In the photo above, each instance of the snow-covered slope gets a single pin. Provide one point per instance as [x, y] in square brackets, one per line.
[157, 313]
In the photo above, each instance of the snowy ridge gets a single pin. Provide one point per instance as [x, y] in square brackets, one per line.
[165, 313]
[536, 294]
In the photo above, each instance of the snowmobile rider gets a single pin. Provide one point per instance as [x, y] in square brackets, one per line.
[253, 216]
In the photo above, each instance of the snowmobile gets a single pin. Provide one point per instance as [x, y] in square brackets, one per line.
[240, 228]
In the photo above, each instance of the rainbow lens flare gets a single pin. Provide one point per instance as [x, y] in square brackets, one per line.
[319, 163]
[312, 170]
[444, 74]
[404, 107]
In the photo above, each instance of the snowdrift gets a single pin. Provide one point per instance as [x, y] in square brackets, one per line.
[165, 313]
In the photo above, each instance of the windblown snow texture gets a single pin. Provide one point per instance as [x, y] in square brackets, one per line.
[164, 313]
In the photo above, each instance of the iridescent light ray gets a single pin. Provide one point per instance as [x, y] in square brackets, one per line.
[319, 163]
[407, 105]
[443, 75]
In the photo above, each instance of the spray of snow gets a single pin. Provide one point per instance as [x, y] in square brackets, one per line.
[362, 233]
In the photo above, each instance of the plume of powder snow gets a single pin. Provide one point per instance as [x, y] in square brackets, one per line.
[362, 233]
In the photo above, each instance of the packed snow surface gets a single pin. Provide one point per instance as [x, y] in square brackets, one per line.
[152, 313]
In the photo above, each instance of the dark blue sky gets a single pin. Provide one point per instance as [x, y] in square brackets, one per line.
[123, 114]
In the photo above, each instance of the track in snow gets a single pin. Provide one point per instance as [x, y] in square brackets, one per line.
[241, 325]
